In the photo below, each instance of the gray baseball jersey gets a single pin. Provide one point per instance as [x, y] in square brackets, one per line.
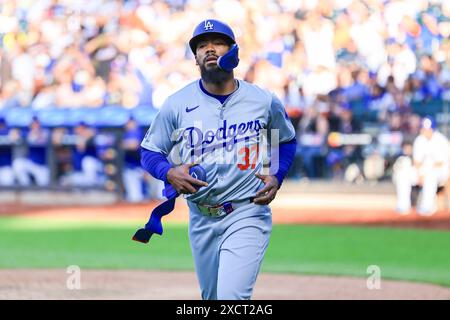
[222, 138]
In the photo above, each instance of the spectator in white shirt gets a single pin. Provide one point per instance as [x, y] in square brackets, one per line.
[428, 168]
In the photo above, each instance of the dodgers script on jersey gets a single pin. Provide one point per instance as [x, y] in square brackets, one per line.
[224, 138]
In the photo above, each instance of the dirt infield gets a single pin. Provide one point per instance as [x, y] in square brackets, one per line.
[137, 285]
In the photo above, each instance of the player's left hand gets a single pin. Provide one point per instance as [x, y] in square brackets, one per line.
[268, 193]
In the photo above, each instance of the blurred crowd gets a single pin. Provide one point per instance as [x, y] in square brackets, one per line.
[131, 52]
[324, 59]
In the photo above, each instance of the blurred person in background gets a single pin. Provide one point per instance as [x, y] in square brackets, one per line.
[412, 126]
[137, 183]
[23, 71]
[317, 33]
[62, 152]
[444, 79]
[295, 102]
[312, 131]
[33, 166]
[429, 169]
[133, 174]
[10, 95]
[390, 140]
[403, 165]
[87, 168]
[396, 123]
[378, 101]
[340, 157]
[358, 89]
[7, 138]
[428, 75]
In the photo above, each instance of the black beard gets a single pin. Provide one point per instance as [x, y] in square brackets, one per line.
[214, 75]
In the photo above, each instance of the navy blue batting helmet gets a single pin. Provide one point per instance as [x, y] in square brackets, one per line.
[210, 26]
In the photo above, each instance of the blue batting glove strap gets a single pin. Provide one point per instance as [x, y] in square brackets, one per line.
[154, 224]
[229, 60]
[169, 191]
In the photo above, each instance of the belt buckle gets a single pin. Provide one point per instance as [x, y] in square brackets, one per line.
[222, 209]
[217, 210]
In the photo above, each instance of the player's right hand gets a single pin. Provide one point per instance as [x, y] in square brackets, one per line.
[182, 181]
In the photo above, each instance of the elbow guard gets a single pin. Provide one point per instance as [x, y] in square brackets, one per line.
[229, 60]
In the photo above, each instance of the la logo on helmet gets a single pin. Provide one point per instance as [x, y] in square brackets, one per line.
[208, 25]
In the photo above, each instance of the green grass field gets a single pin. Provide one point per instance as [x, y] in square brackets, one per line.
[417, 255]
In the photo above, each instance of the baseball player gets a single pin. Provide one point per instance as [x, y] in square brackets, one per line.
[218, 122]
[133, 176]
[34, 162]
[6, 155]
[88, 168]
[428, 168]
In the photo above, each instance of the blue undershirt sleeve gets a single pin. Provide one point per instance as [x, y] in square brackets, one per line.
[286, 157]
[155, 163]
